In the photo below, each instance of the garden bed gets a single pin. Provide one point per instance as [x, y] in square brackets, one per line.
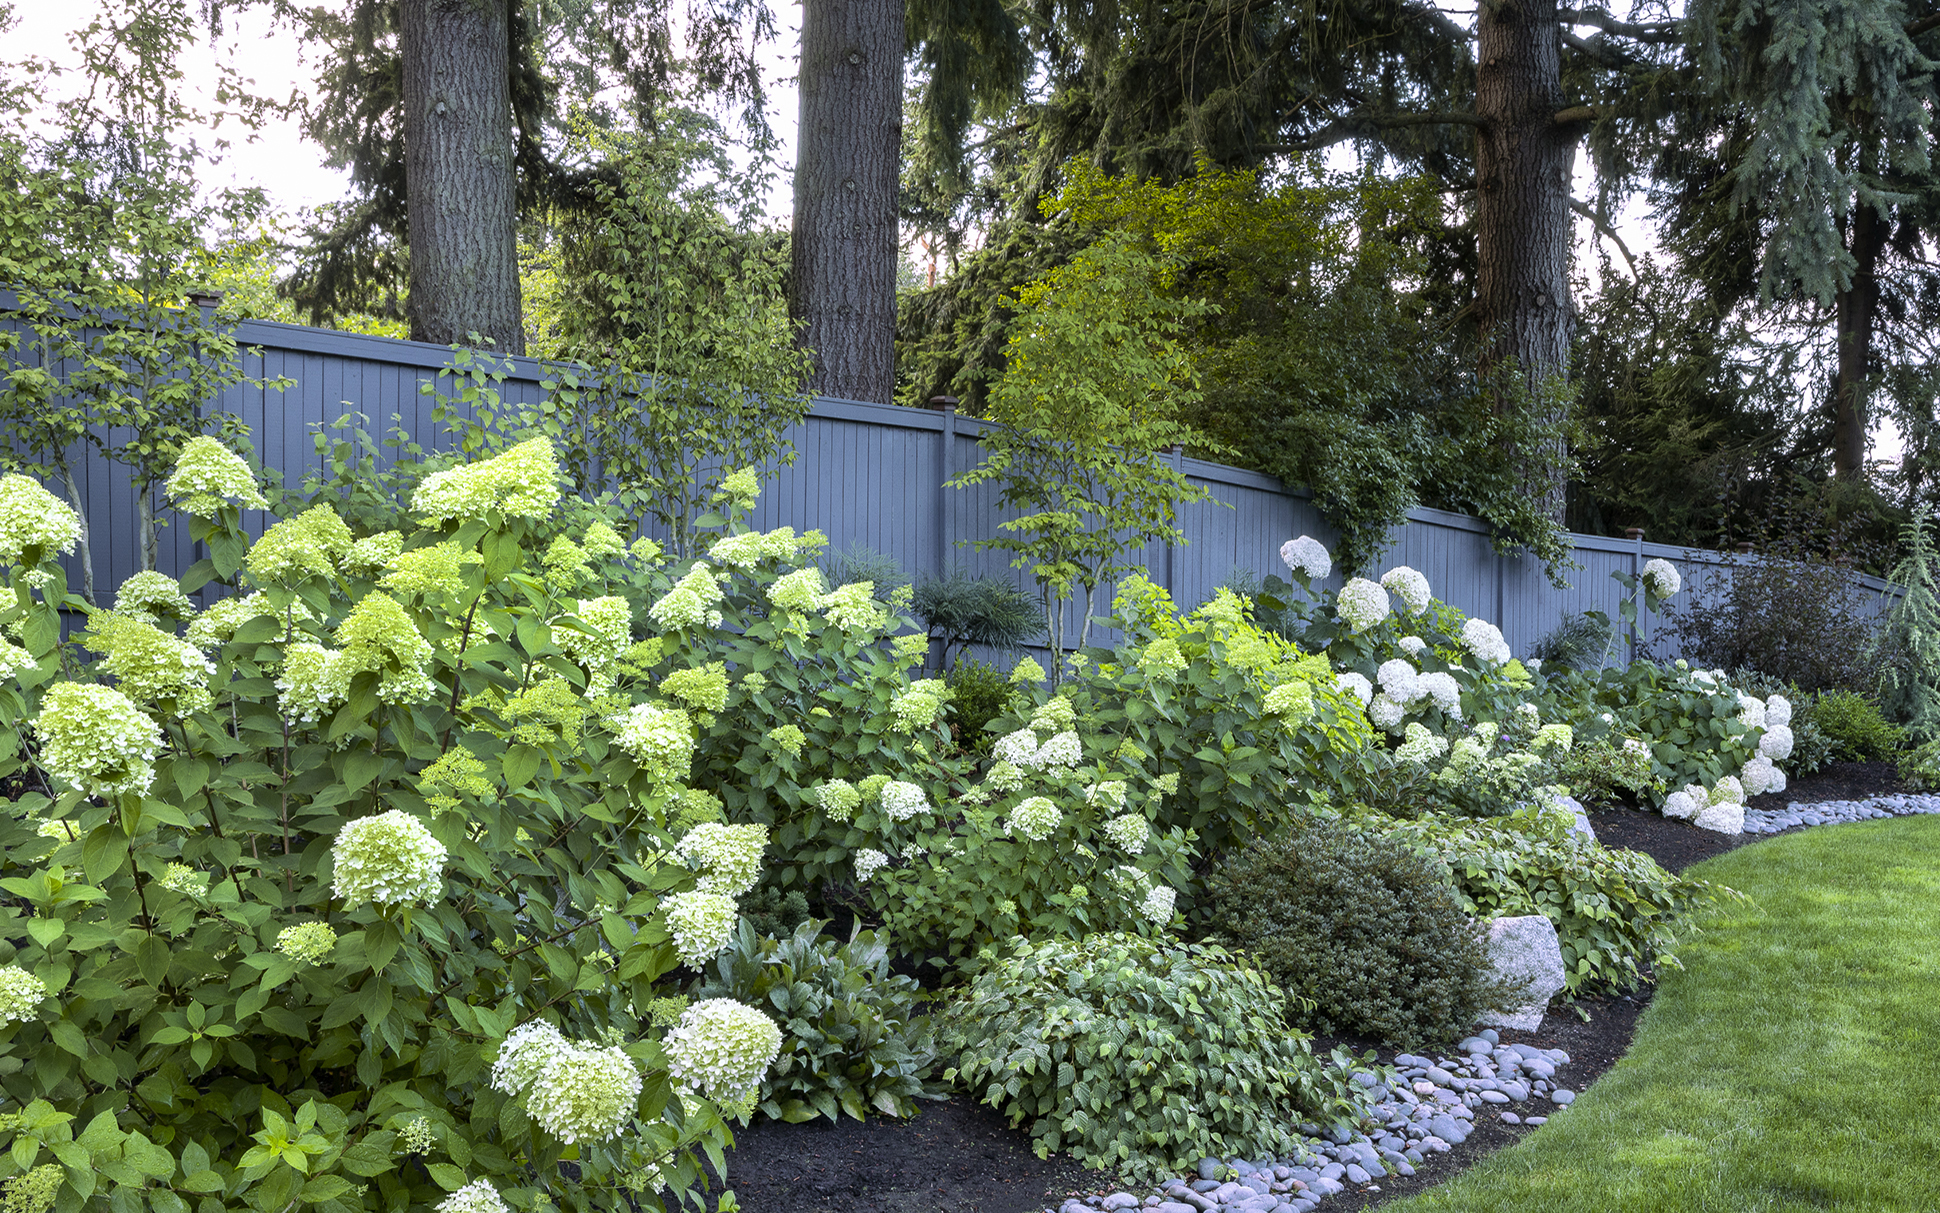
[959, 1157]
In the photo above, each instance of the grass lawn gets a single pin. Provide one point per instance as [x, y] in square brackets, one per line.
[1793, 1064]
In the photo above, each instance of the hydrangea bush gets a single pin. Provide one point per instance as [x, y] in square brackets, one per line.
[359, 890]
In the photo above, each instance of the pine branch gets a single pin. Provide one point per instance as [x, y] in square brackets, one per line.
[1924, 25]
[1584, 209]
[1357, 126]
[1577, 114]
[1645, 31]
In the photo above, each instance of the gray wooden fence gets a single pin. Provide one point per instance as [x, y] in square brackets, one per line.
[873, 476]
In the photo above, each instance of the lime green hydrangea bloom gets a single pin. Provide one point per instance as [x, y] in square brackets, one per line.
[208, 473]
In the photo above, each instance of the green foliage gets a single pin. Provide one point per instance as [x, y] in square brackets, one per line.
[1855, 727]
[1910, 677]
[1138, 1056]
[1360, 928]
[978, 695]
[1919, 767]
[1604, 768]
[963, 609]
[1577, 643]
[1616, 911]
[860, 562]
[1086, 410]
[1690, 718]
[853, 1041]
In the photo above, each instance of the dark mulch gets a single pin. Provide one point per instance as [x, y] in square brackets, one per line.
[959, 1157]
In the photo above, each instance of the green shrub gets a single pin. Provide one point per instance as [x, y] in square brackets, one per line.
[852, 1040]
[1365, 931]
[1910, 639]
[1919, 768]
[1579, 642]
[961, 609]
[978, 695]
[1139, 1055]
[1616, 911]
[1856, 728]
[1607, 767]
[1812, 746]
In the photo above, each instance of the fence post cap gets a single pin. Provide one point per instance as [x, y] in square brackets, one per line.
[942, 403]
[1633, 532]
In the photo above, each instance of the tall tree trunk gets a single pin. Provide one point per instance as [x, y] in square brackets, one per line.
[1523, 160]
[83, 550]
[1857, 307]
[460, 187]
[843, 281]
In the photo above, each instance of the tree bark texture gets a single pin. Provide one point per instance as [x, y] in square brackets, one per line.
[843, 280]
[460, 181]
[1857, 308]
[1523, 160]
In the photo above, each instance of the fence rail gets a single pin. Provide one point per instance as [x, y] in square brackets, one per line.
[874, 476]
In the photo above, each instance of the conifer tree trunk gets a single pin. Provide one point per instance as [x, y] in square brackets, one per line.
[843, 280]
[1856, 309]
[1523, 159]
[460, 186]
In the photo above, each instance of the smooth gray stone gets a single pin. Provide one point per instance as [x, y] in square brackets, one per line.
[1562, 1096]
[1283, 1172]
[1535, 1120]
[1227, 1192]
[1259, 1183]
[1258, 1203]
[1510, 1118]
[1205, 1185]
[1328, 1187]
[1494, 1097]
[1449, 1129]
[1196, 1199]
[1412, 1154]
[1491, 1035]
[1074, 1206]
[1332, 1170]
[1209, 1168]
[1475, 1044]
[1517, 1091]
[1119, 1200]
[1439, 1076]
[1305, 1175]
[1173, 1206]
[1356, 1175]
[1402, 1168]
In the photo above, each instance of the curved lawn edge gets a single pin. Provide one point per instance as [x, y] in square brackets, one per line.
[1789, 1066]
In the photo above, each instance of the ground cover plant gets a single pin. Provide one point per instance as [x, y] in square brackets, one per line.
[1803, 1085]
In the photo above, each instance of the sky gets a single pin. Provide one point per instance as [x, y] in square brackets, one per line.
[290, 169]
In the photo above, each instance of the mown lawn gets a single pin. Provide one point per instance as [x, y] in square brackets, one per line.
[1794, 1064]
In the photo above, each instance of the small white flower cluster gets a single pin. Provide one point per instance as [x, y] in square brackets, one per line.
[1421, 747]
[150, 665]
[1110, 792]
[1035, 817]
[1026, 671]
[1399, 681]
[208, 473]
[21, 994]
[1661, 578]
[749, 548]
[692, 600]
[1778, 710]
[1308, 557]
[574, 1092]
[1021, 750]
[918, 707]
[1776, 742]
[1410, 587]
[1361, 604]
[838, 799]
[297, 549]
[800, 592]
[33, 522]
[853, 608]
[722, 1049]
[1442, 689]
[611, 621]
[15, 660]
[521, 482]
[181, 878]
[373, 553]
[1293, 702]
[661, 740]
[1485, 641]
[868, 861]
[152, 597]
[1356, 685]
[1559, 736]
[96, 739]
[1158, 904]
[729, 857]
[902, 800]
[217, 624]
[478, 1196]
[701, 924]
[1161, 659]
[1760, 775]
[1386, 712]
[306, 942]
[1128, 832]
[1751, 711]
[389, 859]
[1413, 646]
[1721, 808]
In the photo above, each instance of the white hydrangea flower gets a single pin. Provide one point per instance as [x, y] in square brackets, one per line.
[306, 942]
[389, 859]
[1004, 777]
[152, 597]
[208, 473]
[722, 1049]
[521, 482]
[1777, 742]
[21, 994]
[1778, 710]
[1128, 832]
[701, 923]
[1162, 659]
[1444, 691]
[838, 799]
[525, 1054]
[297, 549]
[1026, 671]
[478, 1196]
[1751, 711]
[801, 591]
[1756, 775]
[1019, 749]
[902, 800]
[1410, 587]
[181, 878]
[1309, 556]
[1411, 645]
[868, 861]
[14, 660]
[1485, 640]
[1421, 747]
[729, 856]
[1361, 604]
[1062, 750]
[611, 621]
[1559, 736]
[1680, 805]
[373, 552]
[1778, 780]
[919, 706]
[661, 740]
[853, 608]
[690, 602]
[96, 739]
[35, 525]
[1385, 712]
[1725, 817]
[585, 1094]
[1293, 702]
[1662, 577]
[1158, 904]
[150, 666]
[1728, 789]
[1358, 686]
[1035, 818]
[1399, 680]
[1110, 792]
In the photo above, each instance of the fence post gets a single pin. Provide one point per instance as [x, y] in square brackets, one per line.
[947, 466]
[1636, 535]
[1171, 582]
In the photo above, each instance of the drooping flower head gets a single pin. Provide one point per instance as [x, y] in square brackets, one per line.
[585, 1094]
[1444, 691]
[389, 859]
[150, 665]
[1410, 587]
[1036, 818]
[1307, 556]
[1361, 604]
[152, 597]
[296, 549]
[1756, 775]
[722, 1049]
[1421, 746]
[729, 857]
[701, 924]
[1485, 640]
[1661, 578]
[21, 994]
[35, 525]
[206, 474]
[661, 740]
[378, 637]
[96, 739]
[1385, 711]
[306, 942]
[521, 482]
